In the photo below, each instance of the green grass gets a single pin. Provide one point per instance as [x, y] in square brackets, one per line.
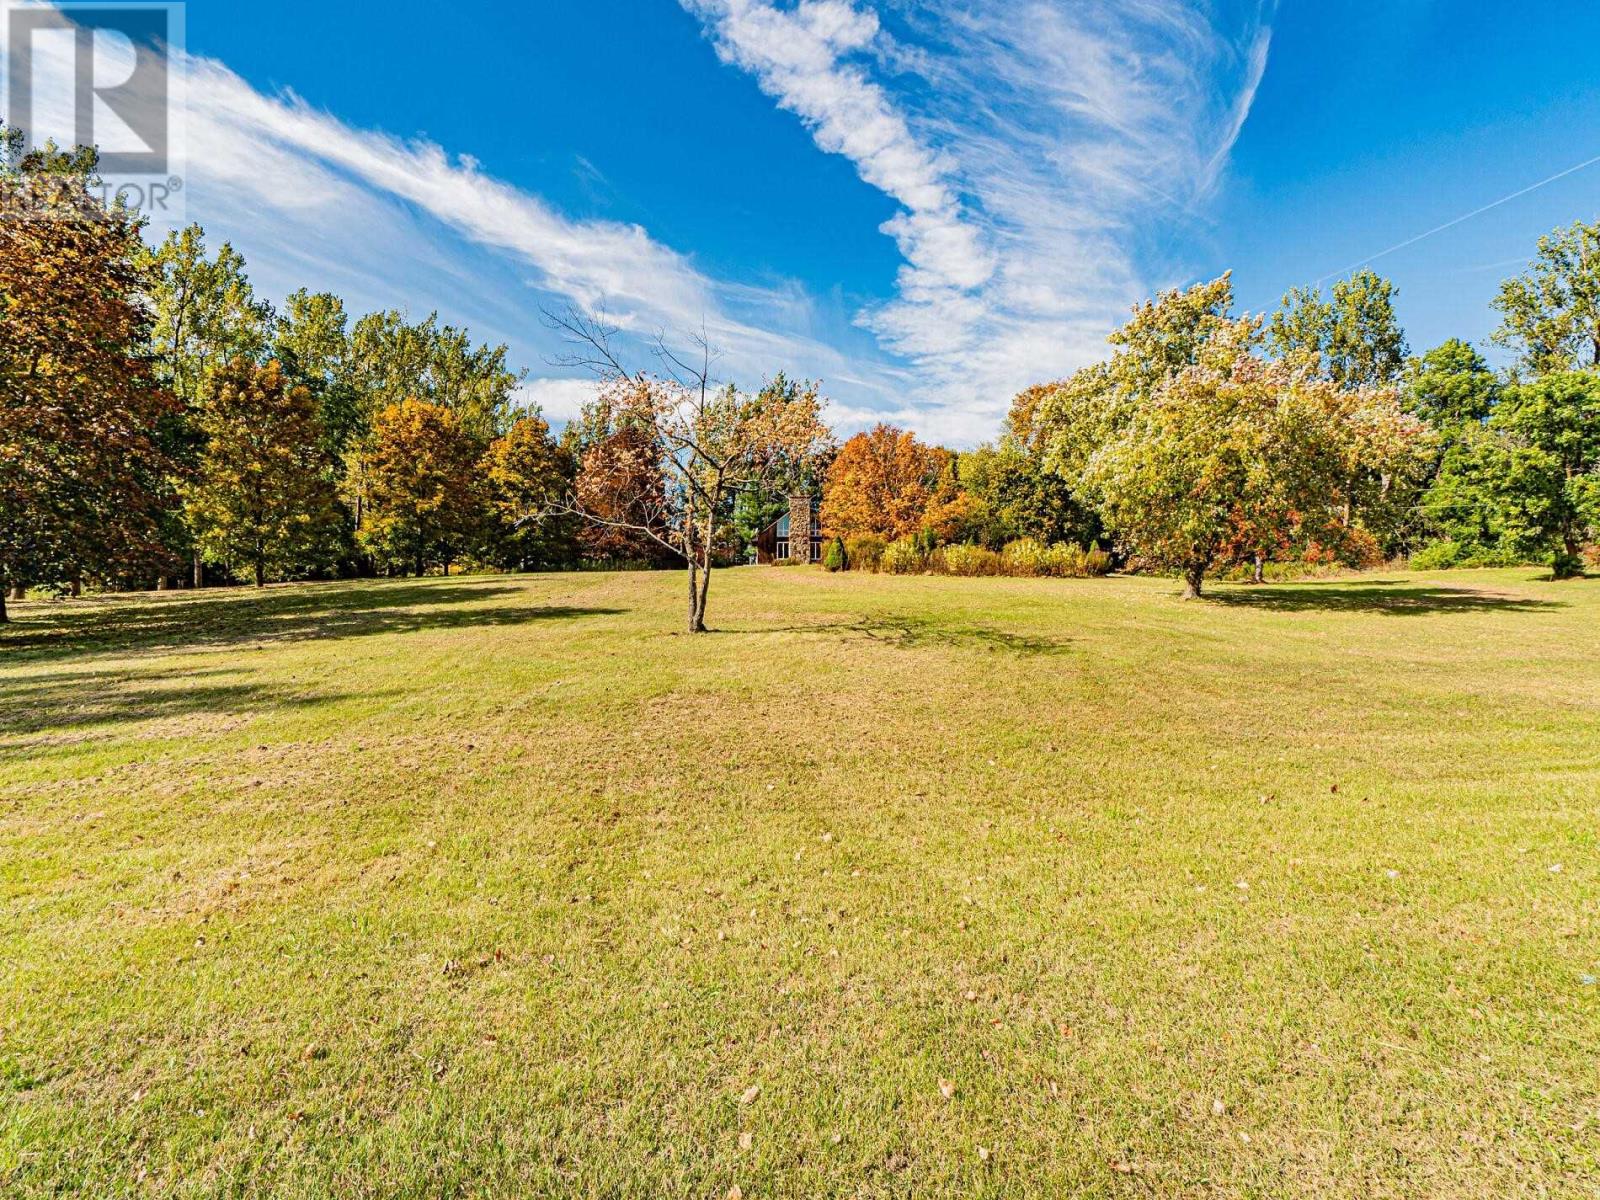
[502, 887]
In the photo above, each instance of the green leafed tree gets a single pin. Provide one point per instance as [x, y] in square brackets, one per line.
[392, 360]
[1016, 497]
[1173, 479]
[1528, 485]
[1450, 386]
[205, 315]
[1549, 494]
[1550, 314]
[260, 501]
[312, 342]
[1353, 338]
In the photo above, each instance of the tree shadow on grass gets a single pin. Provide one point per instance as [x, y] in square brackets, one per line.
[1389, 597]
[39, 712]
[910, 633]
[292, 612]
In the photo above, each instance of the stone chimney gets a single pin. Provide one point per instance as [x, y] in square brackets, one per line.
[800, 528]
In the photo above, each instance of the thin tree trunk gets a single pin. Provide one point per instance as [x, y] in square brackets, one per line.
[261, 573]
[19, 591]
[694, 590]
[1194, 578]
[4, 616]
[694, 566]
[707, 545]
[75, 587]
[1259, 575]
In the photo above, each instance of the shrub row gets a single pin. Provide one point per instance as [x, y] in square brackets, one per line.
[1443, 555]
[913, 556]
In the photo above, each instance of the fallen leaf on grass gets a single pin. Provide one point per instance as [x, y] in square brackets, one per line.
[746, 1140]
[947, 1088]
[750, 1094]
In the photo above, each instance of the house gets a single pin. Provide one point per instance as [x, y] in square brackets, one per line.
[797, 535]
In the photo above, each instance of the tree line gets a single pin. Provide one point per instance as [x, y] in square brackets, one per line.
[162, 424]
[1209, 441]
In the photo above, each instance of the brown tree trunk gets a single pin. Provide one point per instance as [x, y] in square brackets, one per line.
[162, 583]
[75, 587]
[199, 571]
[1569, 565]
[19, 591]
[4, 616]
[261, 573]
[1259, 575]
[700, 606]
[1194, 578]
[707, 546]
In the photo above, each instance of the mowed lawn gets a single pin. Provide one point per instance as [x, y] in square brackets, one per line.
[505, 887]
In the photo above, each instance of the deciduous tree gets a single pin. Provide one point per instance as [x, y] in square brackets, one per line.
[421, 496]
[709, 443]
[528, 471]
[1547, 486]
[1450, 386]
[205, 315]
[881, 482]
[1353, 339]
[1550, 315]
[260, 499]
[81, 465]
[312, 342]
[391, 360]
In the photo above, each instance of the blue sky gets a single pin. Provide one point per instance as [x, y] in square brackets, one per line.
[927, 205]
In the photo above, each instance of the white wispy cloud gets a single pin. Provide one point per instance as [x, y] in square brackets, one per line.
[1025, 141]
[271, 161]
[1025, 144]
[389, 222]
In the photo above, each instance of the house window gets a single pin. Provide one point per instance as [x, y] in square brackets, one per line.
[783, 548]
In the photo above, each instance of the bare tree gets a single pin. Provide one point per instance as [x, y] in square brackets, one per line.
[689, 445]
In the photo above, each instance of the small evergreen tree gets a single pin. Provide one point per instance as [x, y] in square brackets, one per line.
[834, 557]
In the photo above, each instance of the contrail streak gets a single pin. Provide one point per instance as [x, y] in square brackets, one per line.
[1477, 212]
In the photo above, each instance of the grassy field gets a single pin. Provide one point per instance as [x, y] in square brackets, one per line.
[889, 887]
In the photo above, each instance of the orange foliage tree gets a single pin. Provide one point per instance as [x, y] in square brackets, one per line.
[882, 482]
